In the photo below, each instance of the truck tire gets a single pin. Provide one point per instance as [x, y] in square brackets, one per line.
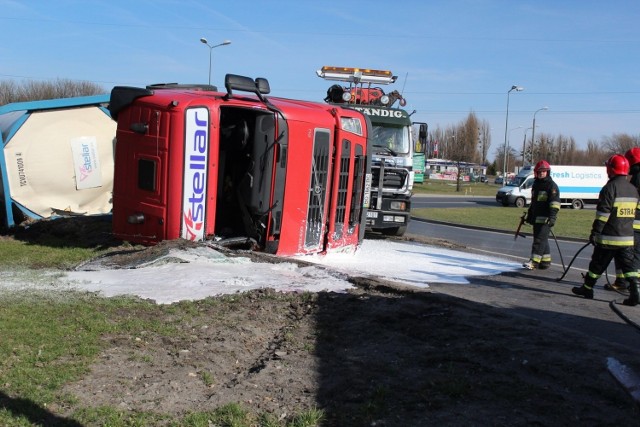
[577, 204]
[394, 231]
[520, 202]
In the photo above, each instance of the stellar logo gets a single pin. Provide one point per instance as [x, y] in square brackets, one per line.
[194, 187]
[87, 166]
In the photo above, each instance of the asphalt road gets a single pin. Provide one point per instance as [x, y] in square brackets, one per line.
[503, 244]
[434, 201]
[538, 294]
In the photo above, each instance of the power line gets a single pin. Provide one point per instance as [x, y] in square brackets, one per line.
[271, 31]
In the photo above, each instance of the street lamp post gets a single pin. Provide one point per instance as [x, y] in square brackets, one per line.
[506, 127]
[204, 41]
[533, 131]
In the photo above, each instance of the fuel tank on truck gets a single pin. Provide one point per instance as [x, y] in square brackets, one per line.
[56, 159]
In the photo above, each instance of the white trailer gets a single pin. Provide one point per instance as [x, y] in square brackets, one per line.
[56, 158]
[578, 185]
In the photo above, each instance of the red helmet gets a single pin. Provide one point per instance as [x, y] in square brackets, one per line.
[542, 165]
[633, 155]
[617, 165]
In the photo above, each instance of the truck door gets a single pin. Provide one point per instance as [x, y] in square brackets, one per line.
[419, 137]
[141, 175]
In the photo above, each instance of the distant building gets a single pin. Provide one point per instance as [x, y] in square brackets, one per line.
[448, 169]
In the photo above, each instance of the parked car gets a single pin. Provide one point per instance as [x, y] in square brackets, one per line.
[499, 180]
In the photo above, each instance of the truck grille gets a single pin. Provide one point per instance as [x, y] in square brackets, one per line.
[358, 184]
[343, 183]
[394, 178]
[317, 190]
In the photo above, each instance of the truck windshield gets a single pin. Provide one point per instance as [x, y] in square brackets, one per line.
[394, 138]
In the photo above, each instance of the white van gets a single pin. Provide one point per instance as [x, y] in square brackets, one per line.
[578, 185]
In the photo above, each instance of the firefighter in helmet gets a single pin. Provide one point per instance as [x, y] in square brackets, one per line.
[542, 214]
[621, 284]
[612, 230]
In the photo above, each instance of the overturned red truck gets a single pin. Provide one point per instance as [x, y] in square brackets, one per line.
[283, 176]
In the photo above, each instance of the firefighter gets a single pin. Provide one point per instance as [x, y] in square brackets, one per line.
[612, 230]
[542, 214]
[620, 284]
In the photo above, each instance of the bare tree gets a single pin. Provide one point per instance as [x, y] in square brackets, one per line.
[619, 143]
[464, 148]
[34, 91]
[436, 136]
[484, 133]
[566, 148]
[595, 155]
[511, 159]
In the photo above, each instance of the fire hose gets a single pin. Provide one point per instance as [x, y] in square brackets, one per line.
[612, 304]
[566, 270]
[558, 246]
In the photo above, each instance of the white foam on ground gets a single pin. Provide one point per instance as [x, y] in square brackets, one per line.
[414, 263]
[197, 273]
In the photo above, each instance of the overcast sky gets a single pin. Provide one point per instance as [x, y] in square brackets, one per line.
[579, 58]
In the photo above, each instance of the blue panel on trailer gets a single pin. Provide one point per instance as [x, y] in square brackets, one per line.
[52, 104]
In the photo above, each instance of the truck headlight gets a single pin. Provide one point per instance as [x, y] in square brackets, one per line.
[398, 206]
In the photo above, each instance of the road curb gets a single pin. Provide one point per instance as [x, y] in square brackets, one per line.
[476, 227]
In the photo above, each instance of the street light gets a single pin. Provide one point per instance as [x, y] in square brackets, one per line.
[506, 127]
[533, 132]
[204, 41]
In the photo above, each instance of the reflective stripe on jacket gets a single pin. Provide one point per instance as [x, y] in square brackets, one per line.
[616, 213]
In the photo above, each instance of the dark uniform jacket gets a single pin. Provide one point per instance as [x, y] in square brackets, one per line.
[545, 201]
[635, 181]
[615, 213]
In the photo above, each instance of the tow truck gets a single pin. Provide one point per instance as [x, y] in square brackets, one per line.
[392, 142]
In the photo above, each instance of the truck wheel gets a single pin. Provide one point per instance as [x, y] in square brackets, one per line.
[520, 202]
[394, 231]
[577, 204]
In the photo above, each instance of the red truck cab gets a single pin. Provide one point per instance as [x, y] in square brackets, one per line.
[284, 176]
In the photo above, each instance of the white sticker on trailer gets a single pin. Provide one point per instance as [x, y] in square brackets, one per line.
[194, 186]
[86, 162]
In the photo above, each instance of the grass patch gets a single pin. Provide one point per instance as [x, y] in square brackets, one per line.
[437, 186]
[48, 340]
[16, 253]
[570, 223]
